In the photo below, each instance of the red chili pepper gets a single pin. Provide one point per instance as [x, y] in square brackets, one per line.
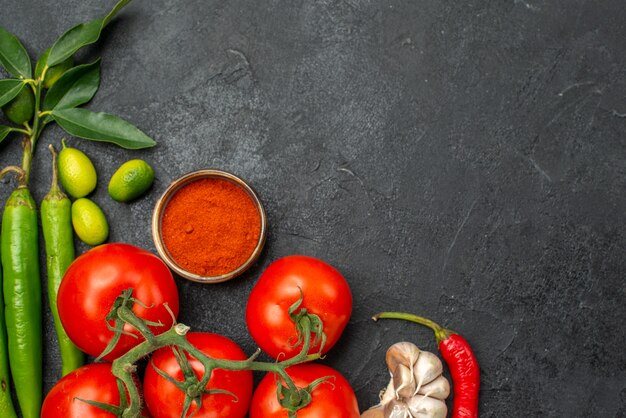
[461, 361]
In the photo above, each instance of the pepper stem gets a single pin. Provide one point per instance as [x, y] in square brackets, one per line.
[54, 186]
[441, 333]
[27, 160]
[12, 169]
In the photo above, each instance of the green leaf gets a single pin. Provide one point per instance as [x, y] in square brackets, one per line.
[100, 126]
[80, 36]
[4, 131]
[115, 10]
[9, 88]
[75, 87]
[73, 40]
[13, 55]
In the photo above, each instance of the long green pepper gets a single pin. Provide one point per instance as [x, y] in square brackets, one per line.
[7, 410]
[22, 296]
[56, 222]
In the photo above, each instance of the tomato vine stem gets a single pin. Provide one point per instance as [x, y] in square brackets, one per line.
[124, 366]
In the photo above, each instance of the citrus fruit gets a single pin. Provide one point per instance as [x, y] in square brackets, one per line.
[20, 109]
[131, 180]
[76, 172]
[89, 222]
[54, 73]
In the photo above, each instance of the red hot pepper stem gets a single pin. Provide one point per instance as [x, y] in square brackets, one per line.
[441, 333]
[460, 359]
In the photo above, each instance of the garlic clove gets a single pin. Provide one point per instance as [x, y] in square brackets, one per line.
[397, 409]
[438, 388]
[404, 382]
[425, 407]
[427, 369]
[402, 353]
[388, 394]
[376, 412]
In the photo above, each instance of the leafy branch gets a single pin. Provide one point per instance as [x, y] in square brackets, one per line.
[56, 90]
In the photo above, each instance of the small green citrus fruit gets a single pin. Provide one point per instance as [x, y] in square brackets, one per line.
[76, 172]
[131, 180]
[21, 108]
[54, 73]
[89, 222]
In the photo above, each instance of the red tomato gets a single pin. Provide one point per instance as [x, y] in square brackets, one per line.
[326, 294]
[93, 382]
[164, 400]
[331, 399]
[96, 278]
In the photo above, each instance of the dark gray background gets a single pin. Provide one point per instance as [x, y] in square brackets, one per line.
[460, 159]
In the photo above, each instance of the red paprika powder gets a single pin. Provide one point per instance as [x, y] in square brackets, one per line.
[211, 227]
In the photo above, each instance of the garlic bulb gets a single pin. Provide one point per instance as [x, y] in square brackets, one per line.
[422, 406]
[427, 368]
[402, 353]
[388, 394]
[397, 409]
[438, 388]
[417, 388]
[403, 382]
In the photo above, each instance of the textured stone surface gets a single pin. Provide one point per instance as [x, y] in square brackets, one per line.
[463, 160]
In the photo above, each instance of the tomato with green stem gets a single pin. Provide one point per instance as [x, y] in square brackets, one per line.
[326, 298]
[231, 390]
[92, 284]
[331, 395]
[90, 391]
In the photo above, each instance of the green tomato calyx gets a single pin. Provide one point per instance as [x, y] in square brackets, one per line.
[307, 323]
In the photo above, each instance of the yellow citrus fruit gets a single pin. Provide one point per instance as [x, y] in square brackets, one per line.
[131, 180]
[21, 108]
[76, 172]
[89, 222]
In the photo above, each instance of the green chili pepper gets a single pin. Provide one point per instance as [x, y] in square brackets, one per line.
[6, 404]
[22, 296]
[56, 221]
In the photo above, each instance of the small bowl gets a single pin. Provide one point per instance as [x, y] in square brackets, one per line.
[171, 190]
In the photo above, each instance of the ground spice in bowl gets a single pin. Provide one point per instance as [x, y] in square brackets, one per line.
[211, 226]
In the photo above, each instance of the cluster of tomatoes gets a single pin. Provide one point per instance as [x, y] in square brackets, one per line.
[94, 281]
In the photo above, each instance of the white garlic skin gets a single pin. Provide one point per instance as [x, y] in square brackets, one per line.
[425, 407]
[403, 382]
[397, 409]
[405, 353]
[389, 394]
[438, 388]
[427, 369]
